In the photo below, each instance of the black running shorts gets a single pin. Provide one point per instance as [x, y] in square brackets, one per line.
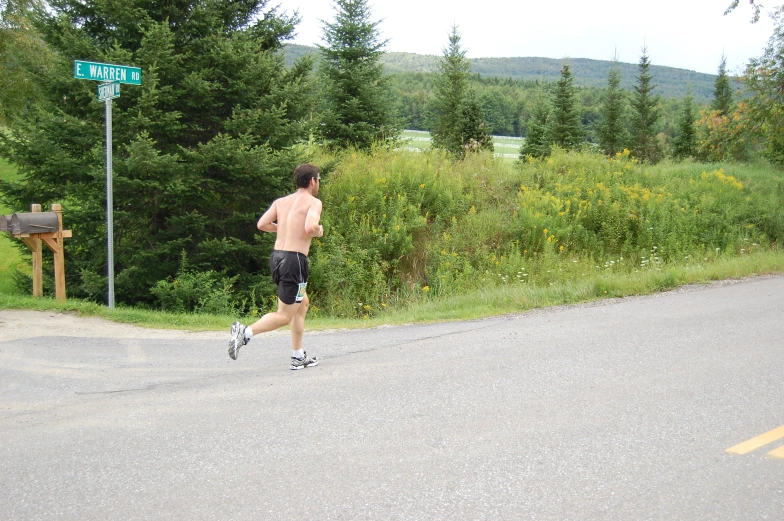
[290, 273]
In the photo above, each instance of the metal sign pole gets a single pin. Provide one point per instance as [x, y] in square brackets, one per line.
[110, 76]
[109, 204]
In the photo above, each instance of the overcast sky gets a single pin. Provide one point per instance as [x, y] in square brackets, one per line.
[688, 34]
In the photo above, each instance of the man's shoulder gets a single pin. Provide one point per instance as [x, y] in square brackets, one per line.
[310, 200]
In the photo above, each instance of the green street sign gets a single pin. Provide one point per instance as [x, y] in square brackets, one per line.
[107, 72]
[108, 91]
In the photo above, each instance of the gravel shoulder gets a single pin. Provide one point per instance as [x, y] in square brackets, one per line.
[16, 324]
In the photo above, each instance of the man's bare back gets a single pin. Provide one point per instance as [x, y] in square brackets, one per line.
[295, 219]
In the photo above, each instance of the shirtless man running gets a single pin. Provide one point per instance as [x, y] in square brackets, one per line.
[295, 218]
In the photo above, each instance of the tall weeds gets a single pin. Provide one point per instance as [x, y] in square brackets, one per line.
[401, 227]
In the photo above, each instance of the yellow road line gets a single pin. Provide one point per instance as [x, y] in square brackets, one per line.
[755, 443]
[778, 453]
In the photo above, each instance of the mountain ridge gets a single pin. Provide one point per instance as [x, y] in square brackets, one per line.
[671, 82]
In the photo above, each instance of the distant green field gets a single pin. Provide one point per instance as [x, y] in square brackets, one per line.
[10, 257]
[507, 147]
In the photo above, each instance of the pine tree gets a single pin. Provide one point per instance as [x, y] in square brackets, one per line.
[534, 144]
[645, 114]
[564, 127]
[451, 88]
[685, 142]
[612, 131]
[23, 56]
[722, 91]
[358, 108]
[199, 148]
[473, 131]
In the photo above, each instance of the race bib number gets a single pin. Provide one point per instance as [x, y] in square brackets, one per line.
[300, 291]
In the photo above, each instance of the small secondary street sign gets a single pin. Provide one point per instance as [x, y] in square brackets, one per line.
[108, 91]
[107, 72]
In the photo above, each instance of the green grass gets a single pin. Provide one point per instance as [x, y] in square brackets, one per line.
[10, 257]
[415, 139]
[472, 305]
[504, 145]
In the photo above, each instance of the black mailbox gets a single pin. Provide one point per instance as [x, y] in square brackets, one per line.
[5, 223]
[34, 222]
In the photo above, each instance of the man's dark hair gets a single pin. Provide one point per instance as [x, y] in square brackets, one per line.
[304, 173]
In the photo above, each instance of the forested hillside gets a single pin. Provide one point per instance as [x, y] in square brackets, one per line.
[507, 104]
[671, 82]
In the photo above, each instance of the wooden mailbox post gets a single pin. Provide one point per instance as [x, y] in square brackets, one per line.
[36, 229]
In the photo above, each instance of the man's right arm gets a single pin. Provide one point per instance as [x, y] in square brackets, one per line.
[267, 221]
[312, 226]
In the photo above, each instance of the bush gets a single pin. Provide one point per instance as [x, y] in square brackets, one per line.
[192, 291]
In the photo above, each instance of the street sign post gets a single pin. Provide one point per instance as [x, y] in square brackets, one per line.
[108, 91]
[107, 72]
[111, 76]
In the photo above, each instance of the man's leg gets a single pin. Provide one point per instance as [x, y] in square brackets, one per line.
[298, 324]
[275, 319]
[299, 358]
[241, 335]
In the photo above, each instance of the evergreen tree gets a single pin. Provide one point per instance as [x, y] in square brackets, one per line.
[534, 144]
[358, 108]
[200, 148]
[473, 130]
[720, 136]
[23, 55]
[612, 131]
[645, 114]
[722, 92]
[564, 127]
[451, 89]
[685, 142]
[459, 124]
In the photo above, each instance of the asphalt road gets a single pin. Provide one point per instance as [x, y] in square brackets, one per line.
[621, 410]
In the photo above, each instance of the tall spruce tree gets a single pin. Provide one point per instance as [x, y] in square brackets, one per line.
[685, 142]
[722, 91]
[564, 127]
[451, 88]
[612, 130]
[645, 114]
[459, 123]
[200, 148]
[358, 107]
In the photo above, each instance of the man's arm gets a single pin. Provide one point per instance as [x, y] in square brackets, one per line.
[267, 221]
[312, 226]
